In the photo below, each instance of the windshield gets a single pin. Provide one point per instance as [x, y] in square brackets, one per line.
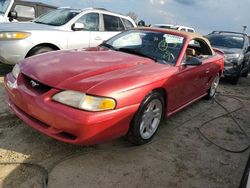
[228, 41]
[161, 47]
[58, 17]
[4, 4]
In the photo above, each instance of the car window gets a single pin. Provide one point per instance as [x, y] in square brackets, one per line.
[25, 11]
[162, 47]
[191, 30]
[226, 41]
[167, 27]
[112, 23]
[4, 4]
[127, 23]
[183, 29]
[58, 17]
[90, 21]
[200, 48]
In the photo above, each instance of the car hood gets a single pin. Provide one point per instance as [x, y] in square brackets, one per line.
[84, 69]
[25, 26]
[2, 19]
[230, 50]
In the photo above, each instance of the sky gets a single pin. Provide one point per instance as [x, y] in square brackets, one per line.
[203, 15]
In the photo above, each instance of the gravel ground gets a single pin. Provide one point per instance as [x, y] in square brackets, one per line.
[179, 155]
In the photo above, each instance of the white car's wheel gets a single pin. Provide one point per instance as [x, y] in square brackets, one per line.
[40, 50]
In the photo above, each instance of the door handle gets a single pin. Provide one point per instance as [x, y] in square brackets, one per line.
[98, 38]
[207, 71]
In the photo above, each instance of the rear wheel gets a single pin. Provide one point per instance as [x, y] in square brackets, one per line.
[212, 90]
[147, 119]
[39, 50]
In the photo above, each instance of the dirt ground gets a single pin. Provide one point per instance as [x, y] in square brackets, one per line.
[179, 155]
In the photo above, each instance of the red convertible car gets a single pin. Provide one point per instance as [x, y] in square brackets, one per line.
[125, 86]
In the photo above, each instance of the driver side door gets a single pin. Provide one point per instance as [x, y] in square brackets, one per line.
[81, 38]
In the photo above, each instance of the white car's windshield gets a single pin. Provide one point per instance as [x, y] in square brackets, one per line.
[58, 17]
[161, 47]
[4, 4]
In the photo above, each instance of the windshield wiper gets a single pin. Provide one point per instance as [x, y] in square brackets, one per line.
[40, 22]
[104, 44]
[132, 51]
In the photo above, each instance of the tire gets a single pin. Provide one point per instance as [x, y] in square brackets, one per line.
[39, 50]
[245, 74]
[234, 80]
[212, 90]
[152, 110]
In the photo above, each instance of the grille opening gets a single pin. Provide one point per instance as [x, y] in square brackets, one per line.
[41, 124]
[35, 86]
[66, 135]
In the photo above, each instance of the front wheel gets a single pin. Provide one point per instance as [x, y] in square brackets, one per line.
[212, 90]
[147, 119]
[40, 50]
[245, 74]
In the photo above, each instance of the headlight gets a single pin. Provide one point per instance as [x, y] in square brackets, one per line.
[232, 56]
[85, 102]
[16, 71]
[13, 35]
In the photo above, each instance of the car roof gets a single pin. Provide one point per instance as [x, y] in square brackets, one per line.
[103, 10]
[229, 33]
[164, 25]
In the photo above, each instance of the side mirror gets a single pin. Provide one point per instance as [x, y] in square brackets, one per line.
[78, 27]
[192, 61]
[12, 15]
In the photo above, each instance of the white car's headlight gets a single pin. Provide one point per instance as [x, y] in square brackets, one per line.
[16, 71]
[13, 35]
[83, 101]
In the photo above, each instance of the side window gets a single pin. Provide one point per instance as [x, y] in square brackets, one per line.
[127, 23]
[199, 48]
[25, 11]
[183, 29]
[191, 30]
[90, 21]
[112, 23]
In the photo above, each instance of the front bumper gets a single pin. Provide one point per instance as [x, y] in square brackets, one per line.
[62, 122]
[13, 51]
[231, 69]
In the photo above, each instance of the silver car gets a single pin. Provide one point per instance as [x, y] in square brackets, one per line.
[60, 29]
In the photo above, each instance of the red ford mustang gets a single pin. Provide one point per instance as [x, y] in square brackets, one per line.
[125, 86]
